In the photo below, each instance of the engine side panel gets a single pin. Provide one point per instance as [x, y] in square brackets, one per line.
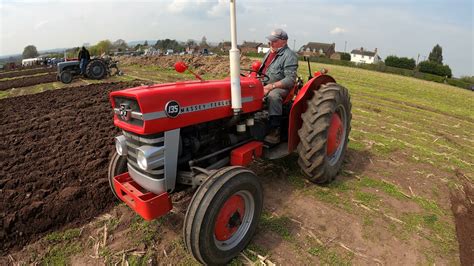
[198, 102]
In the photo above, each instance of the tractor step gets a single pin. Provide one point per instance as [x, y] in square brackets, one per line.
[276, 152]
[149, 205]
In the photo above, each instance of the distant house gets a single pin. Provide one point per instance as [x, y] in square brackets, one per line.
[151, 51]
[263, 49]
[365, 57]
[224, 46]
[191, 49]
[252, 47]
[318, 49]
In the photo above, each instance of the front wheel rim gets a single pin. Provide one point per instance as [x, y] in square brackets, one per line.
[233, 220]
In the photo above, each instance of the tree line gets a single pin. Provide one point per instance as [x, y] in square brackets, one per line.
[106, 46]
[434, 65]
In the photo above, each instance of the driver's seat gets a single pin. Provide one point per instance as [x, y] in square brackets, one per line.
[294, 91]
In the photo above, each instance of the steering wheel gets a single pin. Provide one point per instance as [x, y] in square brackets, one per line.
[260, 76]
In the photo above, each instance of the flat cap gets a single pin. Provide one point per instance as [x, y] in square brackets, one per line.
[277, 34]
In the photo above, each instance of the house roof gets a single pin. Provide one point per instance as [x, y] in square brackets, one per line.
[363, 52]
[318, 46]
[251, 44]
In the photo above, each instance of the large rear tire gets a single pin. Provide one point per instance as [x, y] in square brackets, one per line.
[325, 132]
[223, 215]
[117, 166]
[96, 69]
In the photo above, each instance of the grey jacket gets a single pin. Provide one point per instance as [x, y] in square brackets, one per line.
[283, 68]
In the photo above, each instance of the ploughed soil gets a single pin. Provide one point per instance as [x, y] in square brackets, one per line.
[54, 151]
[462, 205]
[27, 81]
[12, 74]
[215, 64]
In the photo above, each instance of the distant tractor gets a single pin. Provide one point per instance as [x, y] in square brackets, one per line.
[97, 68]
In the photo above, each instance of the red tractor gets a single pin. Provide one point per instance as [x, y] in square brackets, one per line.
[204, 133]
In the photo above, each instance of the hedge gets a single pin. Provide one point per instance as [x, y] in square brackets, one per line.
[381, 67]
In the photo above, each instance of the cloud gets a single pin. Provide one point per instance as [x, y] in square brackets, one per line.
[337, 30]
[210, 9]
[177, 6]
[40, 24]
[220, 9]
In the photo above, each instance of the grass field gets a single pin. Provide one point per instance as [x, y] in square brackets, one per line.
[410, 146]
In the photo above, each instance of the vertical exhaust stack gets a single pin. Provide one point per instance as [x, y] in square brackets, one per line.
[234, 56]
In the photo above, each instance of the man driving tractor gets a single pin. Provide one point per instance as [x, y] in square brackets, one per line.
[280, 65]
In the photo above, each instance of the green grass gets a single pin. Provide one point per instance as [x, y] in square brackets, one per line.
[368, 199]
[67, 235]
[389, 189]
[278, 225]
[61, 246]
[143, 231]
[60, 254]
[327, 255]
[26, 76]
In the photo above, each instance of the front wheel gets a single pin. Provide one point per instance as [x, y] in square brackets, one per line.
[117, 166]
[65, 76]
[223, 215]
[325, 133]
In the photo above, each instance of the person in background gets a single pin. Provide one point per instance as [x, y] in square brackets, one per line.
[280, 65]
[84, 58]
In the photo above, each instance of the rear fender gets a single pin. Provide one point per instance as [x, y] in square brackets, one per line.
[299, 107]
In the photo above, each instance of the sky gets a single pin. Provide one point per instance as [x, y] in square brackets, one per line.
[405, 28]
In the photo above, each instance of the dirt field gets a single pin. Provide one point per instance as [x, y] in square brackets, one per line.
[10, 74]
[215, 65]
[54, 154]
[405, 196]
[25, 81]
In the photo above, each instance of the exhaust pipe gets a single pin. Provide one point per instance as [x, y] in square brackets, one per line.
[234, 56]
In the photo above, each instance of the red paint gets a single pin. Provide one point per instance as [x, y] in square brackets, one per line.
[153, 98]
[256, 65]
[229, 218]
[334, 134]
[244, 154]
[180, 66]
[299, 107]
[150, 206]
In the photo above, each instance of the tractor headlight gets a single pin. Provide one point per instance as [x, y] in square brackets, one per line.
[141, 160]
[121, 145]
[150, 157]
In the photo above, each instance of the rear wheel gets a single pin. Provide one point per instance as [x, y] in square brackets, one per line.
[96, 69]
[117, 166]
[65, 76]
[325, 133]
[223, 215]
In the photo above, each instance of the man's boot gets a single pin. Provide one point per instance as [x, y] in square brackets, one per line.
[273, 137]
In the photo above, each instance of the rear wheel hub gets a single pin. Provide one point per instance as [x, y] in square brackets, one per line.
[335, 133]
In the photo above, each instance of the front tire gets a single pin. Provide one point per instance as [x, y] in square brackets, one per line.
[325, 132]
[223, 215]
[117, 166]
[65, 76]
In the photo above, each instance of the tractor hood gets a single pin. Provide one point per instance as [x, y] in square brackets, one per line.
[157, 108]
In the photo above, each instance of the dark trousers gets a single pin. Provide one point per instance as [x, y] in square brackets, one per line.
[83, 65]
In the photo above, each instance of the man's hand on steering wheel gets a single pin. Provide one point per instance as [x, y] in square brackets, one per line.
[260, 76]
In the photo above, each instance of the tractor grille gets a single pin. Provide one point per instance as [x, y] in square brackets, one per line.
[135, 141]
[132, 109]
